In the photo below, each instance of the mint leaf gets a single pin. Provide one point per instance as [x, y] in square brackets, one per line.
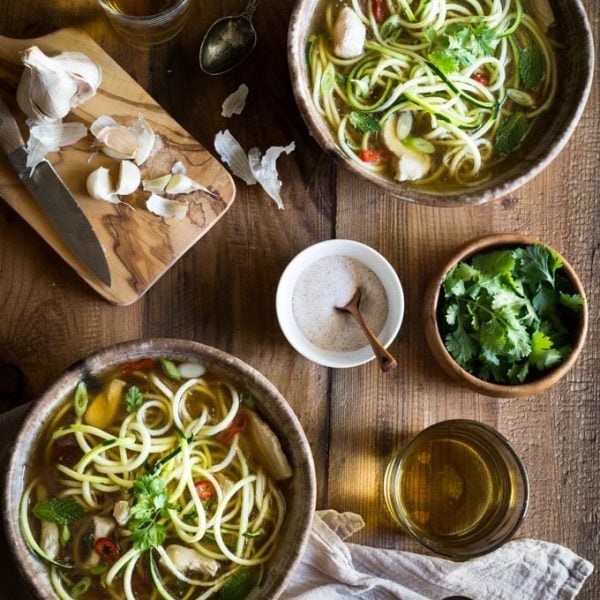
[62, 510]
[510, 133]
[364, 122]
[531, 67]
[133, 399]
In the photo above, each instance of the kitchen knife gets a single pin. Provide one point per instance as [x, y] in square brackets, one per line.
[55, 200]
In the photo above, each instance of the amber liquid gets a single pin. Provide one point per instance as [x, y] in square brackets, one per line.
[141, 8]
[451, 487]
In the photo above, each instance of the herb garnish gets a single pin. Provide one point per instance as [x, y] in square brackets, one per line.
[61, 510]
[510, 133]
[460, 45]
[504, 313]
[133, 399]
[151, 503]
[531, 67]
[170, 369]
[364, 122]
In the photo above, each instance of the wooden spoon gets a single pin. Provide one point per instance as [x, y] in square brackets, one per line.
[386, 361]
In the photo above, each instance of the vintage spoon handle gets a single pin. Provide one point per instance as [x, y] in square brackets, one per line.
[248, 12]
[386, 361]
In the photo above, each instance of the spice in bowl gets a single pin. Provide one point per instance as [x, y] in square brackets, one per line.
[328, 283]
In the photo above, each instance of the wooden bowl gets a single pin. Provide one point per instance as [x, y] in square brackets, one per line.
[299, 491]
[443, 357]
[542, 145]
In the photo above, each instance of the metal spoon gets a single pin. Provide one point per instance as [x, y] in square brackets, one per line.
[386, 361]
[228, 41]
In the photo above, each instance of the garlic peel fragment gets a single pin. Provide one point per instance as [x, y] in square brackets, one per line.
[234, 103]
[265, 169]
[52, 85]
[233, 154]
[163, 207]
[51, 137]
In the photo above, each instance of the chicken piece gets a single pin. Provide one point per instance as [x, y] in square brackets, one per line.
[103, 527]
[407, 164]
[121, 512]
[348, 34]
[188, 559]
[50, 539]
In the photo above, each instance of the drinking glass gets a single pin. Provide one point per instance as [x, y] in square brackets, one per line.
[146, 23]
[458, 488]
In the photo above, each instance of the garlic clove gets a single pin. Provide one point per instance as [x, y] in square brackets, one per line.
[146, 139]
[118, 142]
[129, 178]
[156, 185]
[163, 207]
[100, 123]
[100, 186]
[181, 184]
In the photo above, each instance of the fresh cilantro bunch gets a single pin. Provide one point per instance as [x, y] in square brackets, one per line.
[460, 45]
[507, 313]
[151, 504]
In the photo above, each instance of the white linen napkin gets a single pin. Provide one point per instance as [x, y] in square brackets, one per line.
[526, 569]
[331, 569]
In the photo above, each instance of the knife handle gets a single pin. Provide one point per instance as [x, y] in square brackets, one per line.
[10, 136]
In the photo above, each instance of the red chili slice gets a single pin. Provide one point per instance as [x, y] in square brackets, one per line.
[204, 489]
[108, 550]
[370, 155]
[239, 424]
[142, 364]
[378, 10]
[482, 79]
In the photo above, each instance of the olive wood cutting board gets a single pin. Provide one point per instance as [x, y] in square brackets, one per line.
[139, 245]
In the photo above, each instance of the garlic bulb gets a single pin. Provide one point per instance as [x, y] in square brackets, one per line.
[52, 85]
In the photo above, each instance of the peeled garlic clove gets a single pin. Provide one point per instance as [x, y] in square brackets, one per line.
[129, 178]
[118, 142]
[51, 86]
[100, 187]
[146, 139]
[163, 207]
[182, 184]
[156, 185]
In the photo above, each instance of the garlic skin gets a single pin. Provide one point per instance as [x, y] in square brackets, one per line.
[52, 85]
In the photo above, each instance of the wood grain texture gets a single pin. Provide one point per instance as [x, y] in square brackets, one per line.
[222, 292]
[139, 246]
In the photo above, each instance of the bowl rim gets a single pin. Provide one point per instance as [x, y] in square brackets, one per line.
[356, 250]
[297, 31]
[29, 566]
[436, 343]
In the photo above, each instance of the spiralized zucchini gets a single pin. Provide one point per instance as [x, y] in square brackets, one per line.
[175, 436]
[458, 107]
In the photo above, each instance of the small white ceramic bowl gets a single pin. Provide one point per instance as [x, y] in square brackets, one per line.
[368, 257]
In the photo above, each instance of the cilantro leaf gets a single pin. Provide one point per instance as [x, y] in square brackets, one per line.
[461, 345]
[531, 67]
[444, 61]
[572, 301]
[62, 510]
[133, 399]
[364, 122]
[510, 133]
[538, 263]
[543, 355]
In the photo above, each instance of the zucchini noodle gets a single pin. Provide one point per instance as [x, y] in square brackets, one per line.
[182, 435]
[457, 66]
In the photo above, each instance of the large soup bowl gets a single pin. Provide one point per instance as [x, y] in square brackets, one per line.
[543, 143]
[299, 491]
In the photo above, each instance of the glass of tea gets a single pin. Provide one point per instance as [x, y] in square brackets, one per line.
[459, 488]
[146, 23]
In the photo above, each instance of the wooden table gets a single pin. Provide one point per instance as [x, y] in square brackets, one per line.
[222, 292]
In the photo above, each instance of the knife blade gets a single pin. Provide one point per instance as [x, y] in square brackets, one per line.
[55, 200]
